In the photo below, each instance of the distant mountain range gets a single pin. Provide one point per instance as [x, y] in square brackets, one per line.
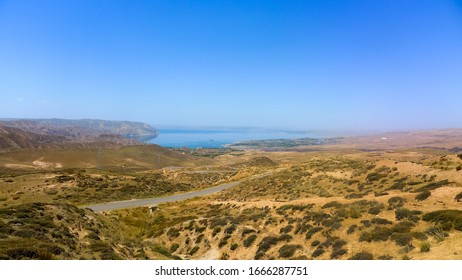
[37, 133]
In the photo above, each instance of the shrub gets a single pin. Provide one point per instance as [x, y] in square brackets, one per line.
[351, 229]
[259, 255]
[332, 204]
[419, 235]
[404, 226]
[423, 195]
[174, 247]
[402, 213]
[424, 247]
[234, 246]
[366, 223]
[247, 231]
[374, 210]
[318, 252]
[355, 213]
[267, 243]
[173, 232]
[458, 197]
[249, 241]
[377, 234]
[381, 221]
[401, 239]
[315, 243]
[376, 194]
[285, 237]
[338, 244]
[288, 250]
[312, 231]
[286, 229]
[199, 238]
[385, 257]
[230, 229]
[223, 241]
[193, 250]
[338, 253]
[396, 202]
[216, 230]
[437, 233]
[445, 217]
[362, 256]
[433, 185]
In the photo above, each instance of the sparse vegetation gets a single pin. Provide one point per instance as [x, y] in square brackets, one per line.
[307, 205]
[423, 195]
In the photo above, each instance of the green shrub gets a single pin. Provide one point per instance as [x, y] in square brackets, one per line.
[433, 185]
[338, 244]
[377, 234]
[385, 257]
[423, 195]
[420, 235]
[230, 229]
[312, 231]
[199, 238]
[267, 243]
[366, 223]
[216, 230]
[173, 232]
[376, 194]
[362, 256]
[288, 250]
[402, 213]
[374, 210]
[380, 221]
[402, 239]
[338, 253]
[247, 231]
[445, 217]
[234, 246]
[193, 250]
[404, 226]
[249, 241]
[174, 247]
[458, 197]
[332, 204]
[315, 243]
[259, 255]
[425, 247]
[396, 202]
[437, 233]
[223, 241]
[318, 252]
[351, 229]
[285, 237]
[286, 229]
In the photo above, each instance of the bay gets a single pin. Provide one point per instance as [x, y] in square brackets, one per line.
[178, 138]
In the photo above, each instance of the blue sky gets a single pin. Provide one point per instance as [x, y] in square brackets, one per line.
[350, 65]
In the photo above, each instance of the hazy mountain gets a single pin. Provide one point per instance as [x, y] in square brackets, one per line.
[82, 129]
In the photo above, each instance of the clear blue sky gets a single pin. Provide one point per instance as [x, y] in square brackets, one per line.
[376, 64]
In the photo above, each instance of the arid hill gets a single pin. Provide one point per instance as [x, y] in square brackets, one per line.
[83, 129]
[14, 138]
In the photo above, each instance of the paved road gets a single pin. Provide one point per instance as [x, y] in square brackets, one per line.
[108, 206]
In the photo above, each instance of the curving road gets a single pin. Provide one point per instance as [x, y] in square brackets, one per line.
[108, 206]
